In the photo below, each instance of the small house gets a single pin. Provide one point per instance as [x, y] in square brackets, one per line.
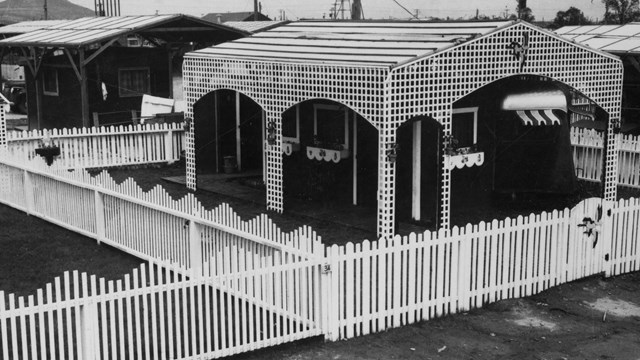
[95, 70]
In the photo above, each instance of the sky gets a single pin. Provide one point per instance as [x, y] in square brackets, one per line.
[373, 9]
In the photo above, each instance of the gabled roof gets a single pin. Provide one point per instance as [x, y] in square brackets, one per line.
[254, 26]
[223, 17]
[26, 26]
[378, 43]
[94, 30]
[609, 38]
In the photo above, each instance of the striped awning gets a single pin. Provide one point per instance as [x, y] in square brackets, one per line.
[538, 117]
[537, 108]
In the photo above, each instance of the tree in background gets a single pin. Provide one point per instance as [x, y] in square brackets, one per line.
[524, 12]
[620, 11]
[573, 16]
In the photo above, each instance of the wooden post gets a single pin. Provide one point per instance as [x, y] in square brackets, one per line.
[355, 158]
[88, 329]
[264, 147]
[195, 249]
[168, 146]
[100, 222]
[84, 95]
[238, 135]
[416, 169]
[28, 193]
[216, 119]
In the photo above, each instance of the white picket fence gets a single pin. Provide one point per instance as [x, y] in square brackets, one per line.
[587, 156]
[97, 147]
[393, 282]
[304, 288]
[162, 315]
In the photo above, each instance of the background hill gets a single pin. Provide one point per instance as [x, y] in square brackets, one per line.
[12, 11]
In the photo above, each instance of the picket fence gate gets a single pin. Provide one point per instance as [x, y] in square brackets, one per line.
[160, 314]
[97, 147]
[587, 147]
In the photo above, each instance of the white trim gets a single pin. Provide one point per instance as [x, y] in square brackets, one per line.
[44, 72]
[467, 110]
[132, 94]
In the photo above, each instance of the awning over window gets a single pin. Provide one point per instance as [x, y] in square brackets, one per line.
[536, 108]
[538, 117]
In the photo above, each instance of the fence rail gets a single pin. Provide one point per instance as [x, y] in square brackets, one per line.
[104, 146]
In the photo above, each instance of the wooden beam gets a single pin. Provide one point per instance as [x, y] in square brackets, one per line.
[84, 92]
[73, 64]
[355, 158]
[98, 52]
[238, 134]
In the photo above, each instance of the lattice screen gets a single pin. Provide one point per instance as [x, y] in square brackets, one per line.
[431, 85]
[387, 98]
[4, 174]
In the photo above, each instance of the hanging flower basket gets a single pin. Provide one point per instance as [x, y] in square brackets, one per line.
[48, 153]
[459, 161]
[326, 154]
[289, 148]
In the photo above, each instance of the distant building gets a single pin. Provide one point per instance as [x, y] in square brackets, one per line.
[221, 18]
[96, 69]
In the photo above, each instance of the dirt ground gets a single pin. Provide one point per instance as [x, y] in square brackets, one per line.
[593, 318]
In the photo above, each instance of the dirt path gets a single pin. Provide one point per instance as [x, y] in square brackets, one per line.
[566, 322]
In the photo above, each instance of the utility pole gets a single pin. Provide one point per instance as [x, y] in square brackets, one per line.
[255, 10]
[46, 15]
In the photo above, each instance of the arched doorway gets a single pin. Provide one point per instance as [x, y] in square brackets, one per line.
[418, 171]
[329, 155]
[521, 126]
[228, 133]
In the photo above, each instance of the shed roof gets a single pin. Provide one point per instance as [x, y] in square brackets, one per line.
[92, 30]
[26, 26]
[377, 43]
[619, 39]
[254, 26]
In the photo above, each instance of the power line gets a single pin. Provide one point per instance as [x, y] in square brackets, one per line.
[405, 9]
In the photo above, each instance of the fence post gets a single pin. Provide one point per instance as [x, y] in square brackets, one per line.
[195, 249]
[28, 192]
[88, 330]
[168, 145]
[329, 295]
[100, 223]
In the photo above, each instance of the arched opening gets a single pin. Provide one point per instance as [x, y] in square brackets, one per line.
[228, 133]
[521, 127]
[330, 155]
[419, 171]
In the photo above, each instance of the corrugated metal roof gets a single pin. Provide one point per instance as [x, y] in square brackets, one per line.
[91, 30]
[366, 43]
[254, 26]
[610, 38]
[26, 26]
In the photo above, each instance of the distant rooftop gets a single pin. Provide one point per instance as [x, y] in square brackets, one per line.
[223, 17]
[254, 26]
[619, 39]
[92, 30]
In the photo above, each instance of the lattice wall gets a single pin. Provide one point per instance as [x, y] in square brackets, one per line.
[431, 85]
[277, 87]
[427, 86]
